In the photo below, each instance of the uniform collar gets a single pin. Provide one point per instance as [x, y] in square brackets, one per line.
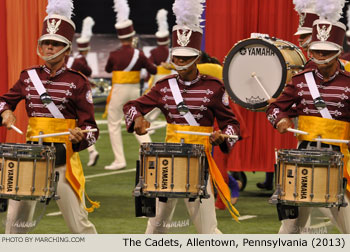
[319, 75]
[58, 72]
[189, 83]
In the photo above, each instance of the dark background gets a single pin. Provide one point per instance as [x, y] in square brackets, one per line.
[142, 13]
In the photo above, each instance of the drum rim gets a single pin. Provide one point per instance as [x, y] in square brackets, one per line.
[229, 57]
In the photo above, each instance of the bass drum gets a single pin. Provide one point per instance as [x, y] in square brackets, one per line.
[257, 69]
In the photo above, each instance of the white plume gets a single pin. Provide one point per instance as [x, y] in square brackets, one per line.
[348, 16]
[60, 7]
[121, 7]
[329, 9]
[188, 12]
[301, 5]
[86, 30]
[162, 20]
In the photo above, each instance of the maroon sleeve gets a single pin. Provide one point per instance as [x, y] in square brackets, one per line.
[140, 106]
[9, 100]
[281, 107]
[81, 65]
[109, 65]
[85, 114]
[226, 119]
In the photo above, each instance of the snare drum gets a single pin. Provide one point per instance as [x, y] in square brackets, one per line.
[272, 61]
[173, 170]
[26, 171]
[310, 178]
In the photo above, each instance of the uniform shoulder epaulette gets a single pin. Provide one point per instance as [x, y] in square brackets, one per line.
[303, 72]
[32, 67]
[77, 72]
[166, 78]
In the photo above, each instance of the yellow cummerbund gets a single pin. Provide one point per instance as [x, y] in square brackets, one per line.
[122, 77]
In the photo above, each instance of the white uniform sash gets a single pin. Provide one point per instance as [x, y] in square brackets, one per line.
[41, 90]
[178, 99]
[70, 61]
[132, 63]
[315, 93]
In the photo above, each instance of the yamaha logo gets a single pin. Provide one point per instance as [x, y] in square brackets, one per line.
[304, 184]
[243, 51]
[165, 174]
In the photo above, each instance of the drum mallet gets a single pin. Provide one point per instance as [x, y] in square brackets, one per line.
[62, 133]
[331, 140]
[297, 131]
[261, 85]
[156, 127]
[205, 134]
[16, 129]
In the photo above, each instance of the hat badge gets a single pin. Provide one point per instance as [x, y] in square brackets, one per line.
[323, 33]
[184, 38]
[302, 19]
[52, 27]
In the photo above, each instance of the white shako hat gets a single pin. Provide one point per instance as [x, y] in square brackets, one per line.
[57, 24]
[83, 41]
[163, 28]
[187, 33]
[307, 15]
[124, 26]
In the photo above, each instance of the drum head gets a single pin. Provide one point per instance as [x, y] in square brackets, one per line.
[259, 57]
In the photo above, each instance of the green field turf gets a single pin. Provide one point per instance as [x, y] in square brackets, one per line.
[114, 191]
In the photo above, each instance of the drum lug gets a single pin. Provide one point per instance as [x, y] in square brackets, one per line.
[311, 195]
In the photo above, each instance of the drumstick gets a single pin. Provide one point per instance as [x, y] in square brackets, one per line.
[331, 140]
[204, 134]
[62, 133]
[298, 131]
[156, 127]
[16, 129]
[261, 85]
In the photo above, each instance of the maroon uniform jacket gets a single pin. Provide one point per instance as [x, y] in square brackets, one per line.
[118, 60]
[205, 97]
[80, 64]
[68, 89]
[335, 93]
[159, 54]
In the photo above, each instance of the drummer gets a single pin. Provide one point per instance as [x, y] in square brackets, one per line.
[204, 99]
[65, 106]
[320, 111]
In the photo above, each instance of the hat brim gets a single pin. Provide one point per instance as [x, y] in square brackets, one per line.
[324, 46]
[184, 51]
[54, 37]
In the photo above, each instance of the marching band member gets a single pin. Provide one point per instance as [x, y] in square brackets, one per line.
[189, 101]
[57, 99]
[321, 104]
[125, 64]
[80, 64]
